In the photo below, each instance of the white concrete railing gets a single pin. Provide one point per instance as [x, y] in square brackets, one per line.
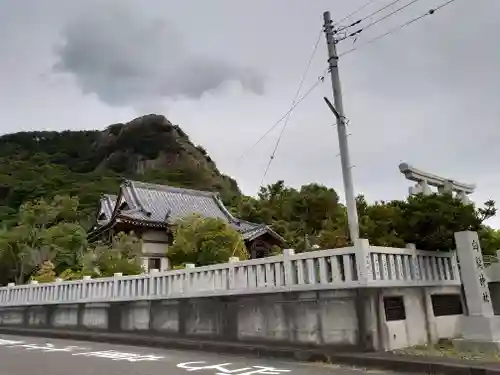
[352, 267]
[492, 270]
[410, 266]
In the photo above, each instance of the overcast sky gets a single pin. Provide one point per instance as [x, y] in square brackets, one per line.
[227, 70]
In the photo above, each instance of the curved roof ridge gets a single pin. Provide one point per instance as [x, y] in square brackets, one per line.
[224, 209]
[107, 202]
[137, 202]
[235, 220]
[172, 189]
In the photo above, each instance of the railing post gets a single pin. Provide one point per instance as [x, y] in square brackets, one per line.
[57, 288]
[152, 280]
[232, 273]
[86, 290]
[415, 265]
[363, 258]
[31, 291]
[116, 283]
[9, 291]
[287, 265]
[187, 277]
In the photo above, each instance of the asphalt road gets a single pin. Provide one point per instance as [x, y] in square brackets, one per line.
[21, 355]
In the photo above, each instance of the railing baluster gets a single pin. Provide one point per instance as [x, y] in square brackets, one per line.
[299, 266]
[336, 270]
[346, 259]
[322, 271]
[315, 270]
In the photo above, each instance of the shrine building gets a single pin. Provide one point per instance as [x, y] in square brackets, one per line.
[151, 211]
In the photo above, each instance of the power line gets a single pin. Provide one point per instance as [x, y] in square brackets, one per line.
[355, 12]
[377, 11]
[299, 89]
[320, 80]
[341, 29]
[428, 13]
[377, 21]
[296, 102]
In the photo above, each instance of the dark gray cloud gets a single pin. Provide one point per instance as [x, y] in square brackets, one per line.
[127, 56]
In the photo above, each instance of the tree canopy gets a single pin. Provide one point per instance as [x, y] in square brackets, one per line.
[312, 215]
[45, 231]
[203, 241]
[121, 255]
[48, 241]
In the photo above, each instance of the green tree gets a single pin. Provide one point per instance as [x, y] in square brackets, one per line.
[203, 241]
[44, 232]
[314, 213]
[45, 273]
[68, 242]
[430, 221]
[490, 241]
[296, 214]
[122, 255]
[333, 235]
[380, 222]
[21, 254]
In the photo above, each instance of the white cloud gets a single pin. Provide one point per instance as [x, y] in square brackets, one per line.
[426, 95]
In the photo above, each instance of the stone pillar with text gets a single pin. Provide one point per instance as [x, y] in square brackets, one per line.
[480, 328]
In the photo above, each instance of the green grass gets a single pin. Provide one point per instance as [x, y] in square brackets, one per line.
[445, 349]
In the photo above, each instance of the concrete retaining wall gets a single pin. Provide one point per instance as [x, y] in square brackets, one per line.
[420, 326]
[311, 318]
[345, 319]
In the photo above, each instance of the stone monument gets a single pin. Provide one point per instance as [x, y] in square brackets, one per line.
[444, 185]
[480, 328]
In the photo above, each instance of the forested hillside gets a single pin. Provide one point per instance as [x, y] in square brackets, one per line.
[88, 163]
[85, 164]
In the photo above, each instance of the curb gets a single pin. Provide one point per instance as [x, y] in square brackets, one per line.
[384, 361]
[417, 365]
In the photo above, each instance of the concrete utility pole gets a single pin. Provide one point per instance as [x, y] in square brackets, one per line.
[333, 58]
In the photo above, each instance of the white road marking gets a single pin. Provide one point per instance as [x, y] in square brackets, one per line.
[119, 356]
[108, 354]
[49, 347]
[223, 370]
[9, 342]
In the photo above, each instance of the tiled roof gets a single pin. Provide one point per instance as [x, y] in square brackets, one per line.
[107, 206]
[152, 203]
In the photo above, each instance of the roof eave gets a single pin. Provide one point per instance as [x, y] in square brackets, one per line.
[140, 222]
[266, 230]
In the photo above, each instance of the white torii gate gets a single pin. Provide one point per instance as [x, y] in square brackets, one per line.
[424, 180]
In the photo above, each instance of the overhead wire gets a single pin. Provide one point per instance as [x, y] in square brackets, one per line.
[391, 31]
[354, 12]
[292, 108]
[297, 93]
[321, 79]
[342, 30]
[377, 21]
[374, 13]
